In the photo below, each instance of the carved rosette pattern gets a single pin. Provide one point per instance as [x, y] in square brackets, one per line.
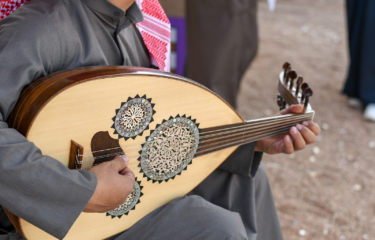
[131, 201]
[169, 149]
[133, 117]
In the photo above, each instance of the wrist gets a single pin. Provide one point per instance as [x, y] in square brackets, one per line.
[257, 147]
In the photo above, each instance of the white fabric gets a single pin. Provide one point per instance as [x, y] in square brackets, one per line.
[369, 113]
[271, 5]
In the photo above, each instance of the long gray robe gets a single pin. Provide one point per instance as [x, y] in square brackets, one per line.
[45, 36]
[222, 40]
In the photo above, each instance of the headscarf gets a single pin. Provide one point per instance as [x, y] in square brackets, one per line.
[9, 6]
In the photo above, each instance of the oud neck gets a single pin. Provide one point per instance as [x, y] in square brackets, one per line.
[218, 138]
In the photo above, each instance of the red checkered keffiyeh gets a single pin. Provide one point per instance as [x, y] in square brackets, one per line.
[156, 33]
[155, 28]
[9, 6]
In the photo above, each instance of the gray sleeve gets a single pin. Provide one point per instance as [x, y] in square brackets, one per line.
[244, 161]
[34, 187]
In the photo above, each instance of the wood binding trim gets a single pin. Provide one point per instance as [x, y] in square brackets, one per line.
[15, 221]
[43, 90]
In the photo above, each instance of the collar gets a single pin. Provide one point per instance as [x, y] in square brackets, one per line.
[107, 8]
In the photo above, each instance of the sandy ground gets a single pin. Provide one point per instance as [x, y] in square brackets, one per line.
[326, 190]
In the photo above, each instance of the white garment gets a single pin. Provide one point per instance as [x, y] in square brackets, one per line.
[369, 113]
[271, 5]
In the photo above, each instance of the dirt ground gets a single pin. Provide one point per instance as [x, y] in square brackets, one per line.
[326, 190]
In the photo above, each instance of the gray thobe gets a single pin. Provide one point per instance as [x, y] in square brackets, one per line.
[45, 36]
[222, 39]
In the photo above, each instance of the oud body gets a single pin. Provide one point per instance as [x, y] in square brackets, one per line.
[78, 104]
[83, 103]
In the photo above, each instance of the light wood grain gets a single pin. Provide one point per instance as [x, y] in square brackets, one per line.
[84, 109]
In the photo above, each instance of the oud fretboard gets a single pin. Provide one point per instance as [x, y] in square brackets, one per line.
[222, 137]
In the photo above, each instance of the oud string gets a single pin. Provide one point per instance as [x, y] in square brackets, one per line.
[244, 141]
[261, 121]
[241, 128]
[244, 131]
[240, 134]
[208, 150]
[244, 127]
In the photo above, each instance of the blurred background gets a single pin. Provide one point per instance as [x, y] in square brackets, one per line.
[326, 190]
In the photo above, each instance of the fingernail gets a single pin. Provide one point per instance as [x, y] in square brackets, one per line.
[305, 123]
[299, 127]
[287, 138]
[294, 130]
[126, 158]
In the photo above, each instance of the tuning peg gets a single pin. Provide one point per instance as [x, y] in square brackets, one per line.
[286, 66]
[303, 87]
[307, 93]
[299, 82]
[292, 75]
[279, 98]
[280, 102]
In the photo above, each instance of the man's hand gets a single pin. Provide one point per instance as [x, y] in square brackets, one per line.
[114, 183]
[296, 139]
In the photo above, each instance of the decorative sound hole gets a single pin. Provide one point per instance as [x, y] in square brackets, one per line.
[169, 149]
[133, 117]
[130, 203]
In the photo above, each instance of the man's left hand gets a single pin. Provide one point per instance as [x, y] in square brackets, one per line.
[296, 139]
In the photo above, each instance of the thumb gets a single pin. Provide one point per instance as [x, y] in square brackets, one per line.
[298, 108]
[120, 162]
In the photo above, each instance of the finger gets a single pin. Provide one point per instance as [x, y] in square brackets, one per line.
[292, 109]
[288, 145]
[126, 177]
[298, 141]
[128, 174]
[313, 127]
[308, 135]
[120, 162]
[126, 171]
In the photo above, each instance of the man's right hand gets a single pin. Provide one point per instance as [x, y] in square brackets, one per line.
[115, 182]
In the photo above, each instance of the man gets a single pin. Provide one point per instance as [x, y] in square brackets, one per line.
[360, 82]
[218, 58]
[222, 39]
[45, 36]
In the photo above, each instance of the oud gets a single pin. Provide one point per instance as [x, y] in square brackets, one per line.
[175, 131]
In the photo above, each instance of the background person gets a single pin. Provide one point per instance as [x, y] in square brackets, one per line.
[360, 82]
[222, 41]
